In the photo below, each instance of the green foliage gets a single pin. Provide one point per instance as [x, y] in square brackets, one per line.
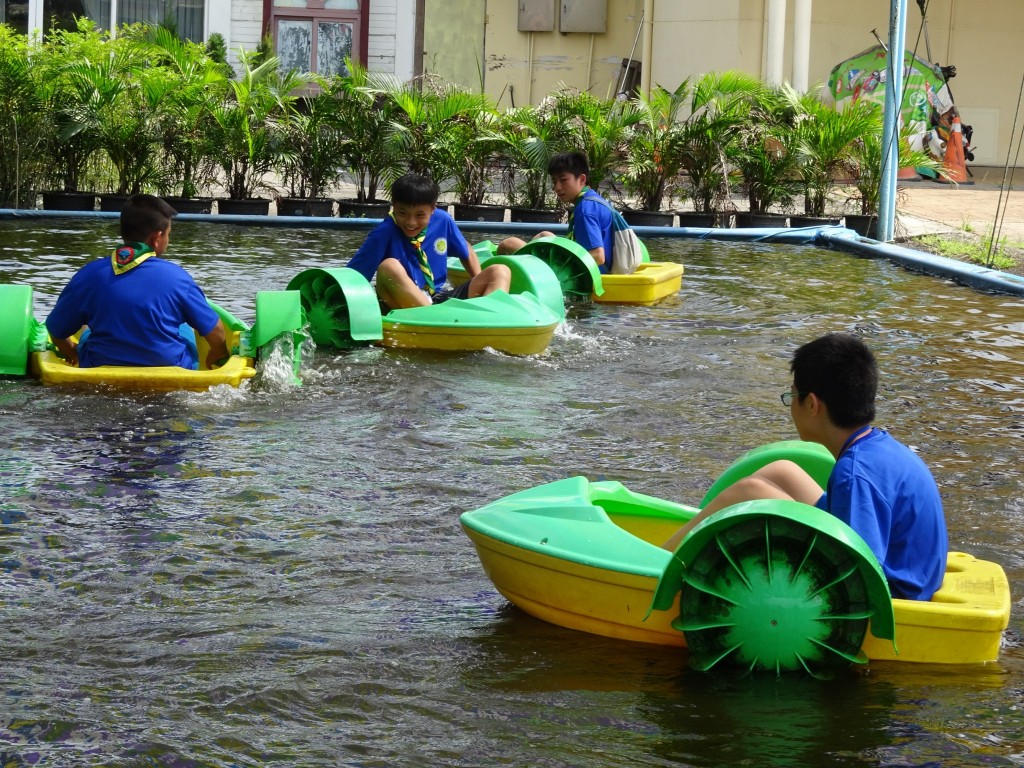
[721, 106]
[598, 128]
[246, 128]
[24, 129]
[530, 135]
[654, 148]
[365, 113]
[217, 52]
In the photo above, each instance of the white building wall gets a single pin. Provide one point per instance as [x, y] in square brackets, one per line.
[246, 26]
[383, 33]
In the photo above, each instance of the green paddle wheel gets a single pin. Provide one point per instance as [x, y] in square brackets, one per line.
[340, 306]
[776, 585]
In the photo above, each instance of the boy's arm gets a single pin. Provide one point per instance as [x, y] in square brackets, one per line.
[472, 263]
[598, 254]
[217, 339]
[68, 348]
[373, 250]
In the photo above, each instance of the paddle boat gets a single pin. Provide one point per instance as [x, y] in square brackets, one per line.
[579, 276]
[344, 312]
[760, 585]
[26, 349]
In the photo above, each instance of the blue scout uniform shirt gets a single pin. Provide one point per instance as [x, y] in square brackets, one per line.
[133, 318]
[591, 226]
[387, 241]
[883, 490]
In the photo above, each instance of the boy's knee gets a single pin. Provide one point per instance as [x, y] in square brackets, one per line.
[510, 245]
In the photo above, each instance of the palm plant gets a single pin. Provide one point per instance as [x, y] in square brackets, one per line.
[824, 142]
[198, 82]
[364, 113]
[421, 130]
[312, 142]
[247, 123]
[654, 150]
[24, 129]
[72, 142]
[763, 153]
[122, 101]
[530, 136]
[720, 105]
[598, 128]
[475, 143]
[867, 154]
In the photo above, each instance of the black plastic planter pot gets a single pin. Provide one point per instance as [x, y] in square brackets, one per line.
[649, 218]
[69, 201]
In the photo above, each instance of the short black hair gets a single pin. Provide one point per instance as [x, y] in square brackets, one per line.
[841, 370]
[413, 189]
[142, 215]
[575, 163]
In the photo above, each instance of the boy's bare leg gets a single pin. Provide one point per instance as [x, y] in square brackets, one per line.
[513, 244]
[496, 277]
[396, 289]
[782, 480]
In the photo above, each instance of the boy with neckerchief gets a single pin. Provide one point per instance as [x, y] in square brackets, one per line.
[139, 308]
[879, 487]
[590, 218]
[408, 252]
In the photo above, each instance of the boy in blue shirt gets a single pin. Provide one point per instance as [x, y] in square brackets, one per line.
[408, 251]
[878, 486]
[590, 220]
[137, 306]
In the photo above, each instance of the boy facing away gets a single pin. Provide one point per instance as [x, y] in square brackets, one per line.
[138, 307]
[590, 220]
[878, 486]
[408, 251]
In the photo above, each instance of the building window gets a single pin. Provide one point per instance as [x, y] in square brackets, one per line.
[185, 16]
[317, 35]
[15, 14]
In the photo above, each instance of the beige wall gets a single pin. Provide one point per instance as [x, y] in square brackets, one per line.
[589, 62]
[453, 41]
[983, 38]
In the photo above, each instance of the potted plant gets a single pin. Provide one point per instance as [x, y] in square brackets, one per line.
[70, 144]
[654, 159]
[476, 142]
[186, 122]
[247, 129]
[867, 154]
[824, 139]
[530, 135]
[312, 149]
[364, 115]
[719, 106]
[598, 128]
[24, 128]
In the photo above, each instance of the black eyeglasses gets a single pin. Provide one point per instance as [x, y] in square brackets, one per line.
[787, 397]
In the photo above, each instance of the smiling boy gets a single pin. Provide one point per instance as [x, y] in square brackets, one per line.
[408, 251]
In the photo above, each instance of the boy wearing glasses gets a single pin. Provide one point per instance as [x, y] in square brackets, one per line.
[878, 486]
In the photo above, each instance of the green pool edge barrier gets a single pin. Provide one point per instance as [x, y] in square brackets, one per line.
[813, 458]
[20, 332]
[340, 306]
[776, 585]
[575, 268]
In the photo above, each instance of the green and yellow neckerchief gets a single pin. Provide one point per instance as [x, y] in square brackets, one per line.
[417, 244]
[129, 256]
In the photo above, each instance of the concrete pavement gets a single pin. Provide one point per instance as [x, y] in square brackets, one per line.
[927, 207]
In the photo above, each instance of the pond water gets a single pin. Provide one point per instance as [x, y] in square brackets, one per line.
[276, 576]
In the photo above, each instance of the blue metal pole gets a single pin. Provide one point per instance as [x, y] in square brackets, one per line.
[891, 119]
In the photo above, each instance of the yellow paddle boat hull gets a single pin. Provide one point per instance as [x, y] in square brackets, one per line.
[588, 556]
[652, 282]
[52, 370]
[512, 341]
